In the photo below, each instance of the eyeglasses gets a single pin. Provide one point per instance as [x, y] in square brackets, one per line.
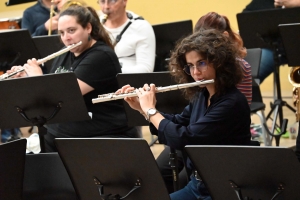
[201, 66]
[102, 2]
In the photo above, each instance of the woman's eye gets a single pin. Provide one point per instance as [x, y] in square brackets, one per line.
[71, 30]
[202, 63]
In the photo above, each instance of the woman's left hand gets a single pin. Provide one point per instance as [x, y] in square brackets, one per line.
[32, 68]
[147, 97]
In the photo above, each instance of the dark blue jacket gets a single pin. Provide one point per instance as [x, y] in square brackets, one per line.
[225, 122]
[34, 19]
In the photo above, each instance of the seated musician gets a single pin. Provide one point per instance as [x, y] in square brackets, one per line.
[218, 113]
[96, 65]
[211, 20]
[37, 17]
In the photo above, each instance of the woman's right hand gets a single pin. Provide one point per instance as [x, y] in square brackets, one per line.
[133, 102]
[16, 68]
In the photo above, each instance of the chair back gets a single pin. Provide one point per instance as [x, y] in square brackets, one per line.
[253, 58]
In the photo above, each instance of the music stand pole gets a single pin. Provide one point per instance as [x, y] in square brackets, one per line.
[276, 107]
[40, 121]
[174, 166]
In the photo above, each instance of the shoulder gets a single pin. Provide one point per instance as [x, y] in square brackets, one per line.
[102, 47]
[101, 51]
[36, 9]
[134, 15]
[32, 8]
[232, 98]
[139, 22]
[236, 97]
[142, 28]
[244, 64]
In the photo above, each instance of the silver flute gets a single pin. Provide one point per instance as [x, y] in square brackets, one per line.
[113, 96]
[41, 61]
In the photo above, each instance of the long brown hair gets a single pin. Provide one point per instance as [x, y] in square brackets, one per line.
[221, 23]
[85, 15]
[217, 49]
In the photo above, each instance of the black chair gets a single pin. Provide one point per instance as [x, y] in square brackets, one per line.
[257, 105]
[45, 178]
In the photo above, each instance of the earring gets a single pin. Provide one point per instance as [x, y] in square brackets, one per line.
[89, 37]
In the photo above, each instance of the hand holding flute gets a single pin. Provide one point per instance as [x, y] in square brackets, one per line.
[144, 100]
[31, 68]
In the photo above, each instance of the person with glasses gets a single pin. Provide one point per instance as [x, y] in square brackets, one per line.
[218, 113]
[132, 36]
[221, 23]
[211, 20]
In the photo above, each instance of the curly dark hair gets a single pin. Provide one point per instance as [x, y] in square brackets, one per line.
[217, 49]
[84, 15]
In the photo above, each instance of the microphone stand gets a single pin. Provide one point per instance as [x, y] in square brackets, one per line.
[174, 166]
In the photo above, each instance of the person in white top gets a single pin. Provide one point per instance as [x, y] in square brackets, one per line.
[136, 45]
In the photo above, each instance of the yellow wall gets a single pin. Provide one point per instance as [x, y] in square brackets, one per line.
[161, 11]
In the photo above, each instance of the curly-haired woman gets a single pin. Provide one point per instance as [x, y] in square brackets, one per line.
[218, 113]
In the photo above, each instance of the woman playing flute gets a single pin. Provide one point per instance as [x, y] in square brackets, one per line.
[218, 113]
[96, 65]
[211, 20]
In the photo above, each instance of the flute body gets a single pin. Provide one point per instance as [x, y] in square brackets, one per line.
[113, 96]
[43, 60]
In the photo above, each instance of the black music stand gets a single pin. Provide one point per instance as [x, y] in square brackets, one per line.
[124, 168]
[247, 173]
[166, 36]
[16, 47]
[259, 29]
[12, 156]
[46, 178]
[47, 45]
[16, 2]
[41, 100]
[171, 102]
[290, 39]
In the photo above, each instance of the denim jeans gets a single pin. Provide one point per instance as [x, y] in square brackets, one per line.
[8, 133]
[194, 190]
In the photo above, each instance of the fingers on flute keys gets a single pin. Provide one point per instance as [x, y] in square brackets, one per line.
[125, 89]
[146, 87]
[149, 87]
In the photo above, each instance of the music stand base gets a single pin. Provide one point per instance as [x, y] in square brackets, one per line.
[238, 191]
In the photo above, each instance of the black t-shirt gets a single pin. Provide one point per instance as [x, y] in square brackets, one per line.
[97, 67]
